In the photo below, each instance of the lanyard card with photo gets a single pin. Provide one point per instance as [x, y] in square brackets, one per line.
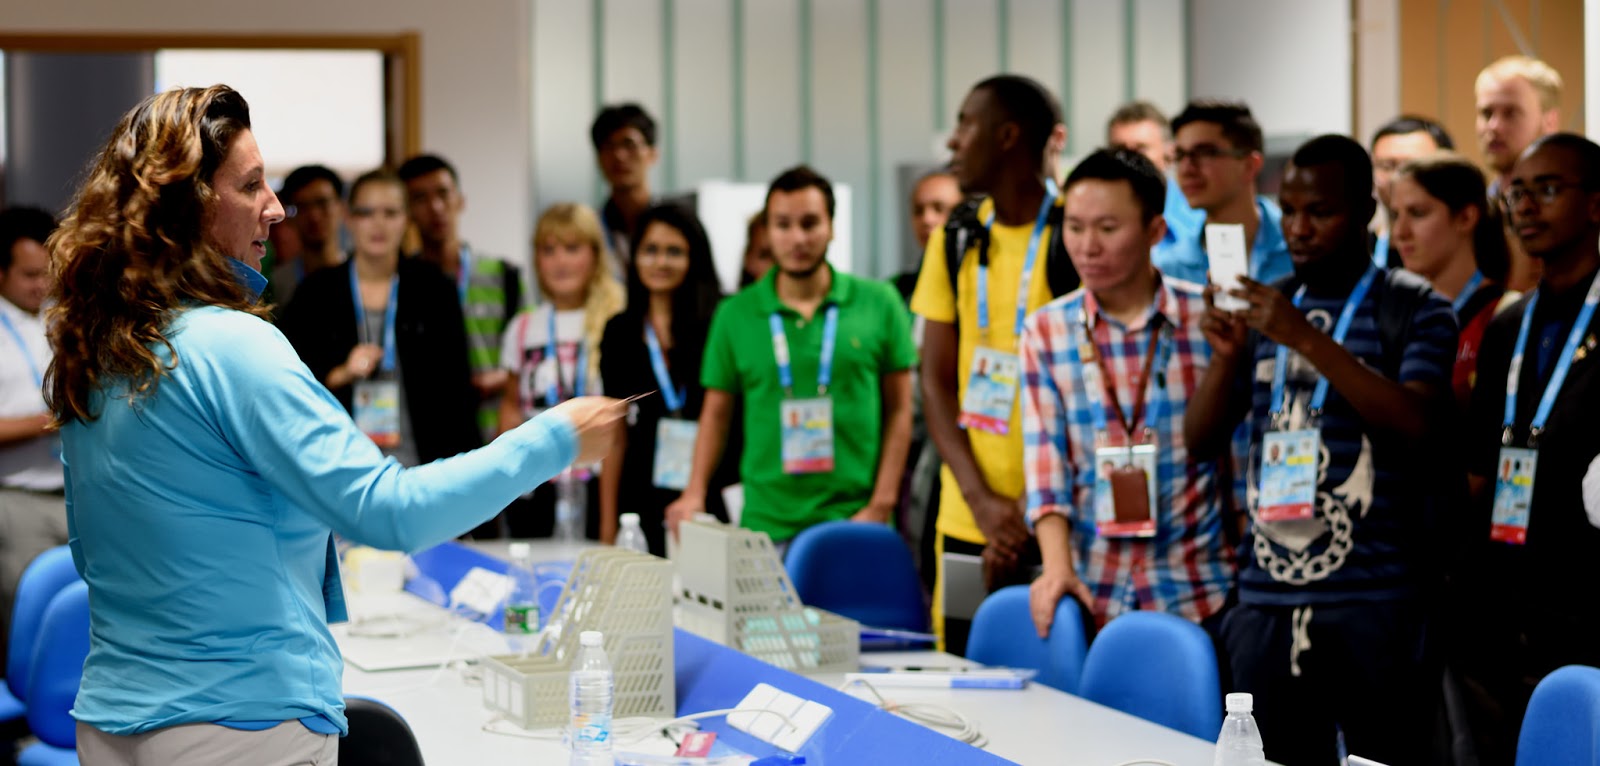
[1125, 491]
[377, 411]
[807, 427]
[1513, 495]
[674, 452]
[991, 391]
[1289, 475]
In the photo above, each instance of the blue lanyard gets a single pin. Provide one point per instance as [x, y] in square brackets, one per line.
[1027, 265]
[1158, 374]
[1466, 292]
[1340, 330]
[673, 396]
[463, 273]
[580, 377]
[780, 350]
[388, 316]
[1380, 252]
[1547, 402]
[27, 355]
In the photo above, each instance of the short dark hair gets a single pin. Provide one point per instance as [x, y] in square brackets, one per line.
[1458, 184]
[1585, 151]
[19, 223]
[1343, 152]
[1407, 124]
[1238, 125]
[423, 164]
[303, 176]
[801, 177]
[618, 117]
[1149, 186]
[1136, 112]
[1028, 104]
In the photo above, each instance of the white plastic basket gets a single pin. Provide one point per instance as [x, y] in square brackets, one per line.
[623, 594]
[734, 590]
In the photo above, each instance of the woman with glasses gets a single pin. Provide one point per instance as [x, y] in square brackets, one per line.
[384, 334]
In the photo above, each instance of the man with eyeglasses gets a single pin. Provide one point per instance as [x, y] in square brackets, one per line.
[624, 138]
[1218, 155]
[313, 198]
[1535, 432]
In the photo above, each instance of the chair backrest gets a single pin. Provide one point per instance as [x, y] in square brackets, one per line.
[1159, 667]
[379, 736]
[58, 666]
[860, 571]
[1562, 724]
[45, 576]
[1003, 634]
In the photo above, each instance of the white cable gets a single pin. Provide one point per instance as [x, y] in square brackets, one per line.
[953, 723]
[468, 622]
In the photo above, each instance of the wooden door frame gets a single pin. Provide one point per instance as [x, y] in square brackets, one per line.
[402, 58]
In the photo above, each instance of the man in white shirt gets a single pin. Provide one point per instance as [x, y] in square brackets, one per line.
[33, 516]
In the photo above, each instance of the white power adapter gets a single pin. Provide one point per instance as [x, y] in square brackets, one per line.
[480, 591]
[796, 720]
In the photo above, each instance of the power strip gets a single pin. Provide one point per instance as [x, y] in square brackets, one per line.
[796, 721]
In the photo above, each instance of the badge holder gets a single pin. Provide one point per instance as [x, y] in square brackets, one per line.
[1513, 490]
[377, 411]
[674, 461]
[991, 391]
[1125, 487]
[1289, 475]
[807, 426]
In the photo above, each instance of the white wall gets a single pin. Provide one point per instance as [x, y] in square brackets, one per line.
[1289, 59]
[475, 77]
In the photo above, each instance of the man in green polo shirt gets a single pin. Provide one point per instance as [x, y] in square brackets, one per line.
[822, 361]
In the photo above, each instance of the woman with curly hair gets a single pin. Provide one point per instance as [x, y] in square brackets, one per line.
[207, 468]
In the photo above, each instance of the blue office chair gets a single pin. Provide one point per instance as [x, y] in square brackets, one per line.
[379, 736]
[1003, 634]
[57, 671]
[1159, 667]
[44, 577]
[861, 571]
[1562, 724]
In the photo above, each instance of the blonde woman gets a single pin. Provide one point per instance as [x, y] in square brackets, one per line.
[552, 350]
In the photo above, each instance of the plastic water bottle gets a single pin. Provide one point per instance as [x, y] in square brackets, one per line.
[631, 537]
[522, 604]
[591, 693]
[572, 499]
[1239, 744]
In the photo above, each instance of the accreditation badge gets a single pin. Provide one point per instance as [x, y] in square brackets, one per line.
[674, 453]
[1513, 495]
[807, 426]
[377, 411]
[1289, 475]
[1125, 491]
[991, 391]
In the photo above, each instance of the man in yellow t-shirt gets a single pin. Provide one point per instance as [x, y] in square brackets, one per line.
[998, 147]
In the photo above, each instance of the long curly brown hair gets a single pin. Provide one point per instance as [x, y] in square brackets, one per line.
[133, 250]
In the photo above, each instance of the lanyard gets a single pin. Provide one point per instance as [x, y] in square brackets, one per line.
[780, 350]
[1380, 251]
[388, 316]
[674, 396]
[1034, 241]
[1547, 402]
[1157, 354]
[463, 273]
[580, 377]
[1467, 292]
[1340, 330]
[27, 356]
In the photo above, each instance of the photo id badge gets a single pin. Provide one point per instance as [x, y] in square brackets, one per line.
[807, 435]
[1289, 475]
[991, 391]
[674, 453]
[377, 411]
[1513, 495]
[1125, 491]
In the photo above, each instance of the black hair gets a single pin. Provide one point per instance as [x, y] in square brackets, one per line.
[618, 117]
[1149, 186]
[423, 164]
[1458, 184]
[695, 299]
[801, 177]
[1345, 154]
[1238, 125]
[1028, 104]
[19, 223]
[303, 176]
[1407, 123]
[1586, 152]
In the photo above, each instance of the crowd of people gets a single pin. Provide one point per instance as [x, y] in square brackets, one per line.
[1324, 462]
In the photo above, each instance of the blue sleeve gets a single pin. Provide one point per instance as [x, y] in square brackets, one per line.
[300, 439]
[1430, 350]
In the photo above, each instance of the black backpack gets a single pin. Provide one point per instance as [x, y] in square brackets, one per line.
[963, 231]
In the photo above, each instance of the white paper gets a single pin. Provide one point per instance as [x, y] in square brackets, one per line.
[1228, 261]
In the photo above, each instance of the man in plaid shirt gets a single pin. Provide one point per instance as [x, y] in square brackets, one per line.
[1125, 519]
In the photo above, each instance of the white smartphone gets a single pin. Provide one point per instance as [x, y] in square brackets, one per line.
[1228, 261]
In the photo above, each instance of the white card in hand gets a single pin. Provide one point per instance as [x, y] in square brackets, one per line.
[1228, 261]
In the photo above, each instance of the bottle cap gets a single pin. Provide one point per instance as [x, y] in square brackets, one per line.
[521, 550]
[629, 519]
[596, 638]
[1240, 702]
